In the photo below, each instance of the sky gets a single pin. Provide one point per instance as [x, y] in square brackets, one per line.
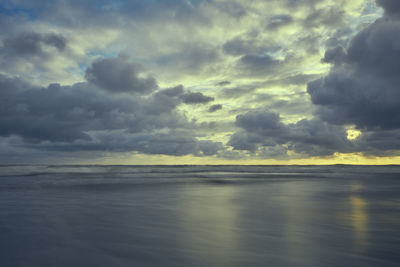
[200, 82]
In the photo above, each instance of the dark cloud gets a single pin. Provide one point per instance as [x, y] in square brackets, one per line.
[29, 53]
[379, 142]
[210, 148]
[260, 121]
[177, 143]
[224, 83]
[83, 118]
[392, 7]
[243, 140]
[362, 87]
[258, 64]
[195, 98]
[117, 75]
[262, 129]
[55, 40]
[173, 92]
[171, 142]
[336, 55]
[30, 43]
[14, 151]
[164, 102]
[58, 113]
[288, 105]
[315, 137]
[29, 47]
[171, 97]
[215, 107]
[279, 21]
[168, 99]
[122, 109]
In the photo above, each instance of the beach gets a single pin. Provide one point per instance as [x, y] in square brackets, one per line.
[199, 215]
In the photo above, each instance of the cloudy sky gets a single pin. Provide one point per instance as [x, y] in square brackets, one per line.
[200, 81]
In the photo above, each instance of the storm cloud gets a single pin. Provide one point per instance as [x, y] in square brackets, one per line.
[259, 64]
[81, 117]
[118, 75]
[264, 129]
[31, 44]
[215, 108]
[28, 51]
[392, 7]
[361, 90]
[195, 98]
[362, 87]
[204, 78]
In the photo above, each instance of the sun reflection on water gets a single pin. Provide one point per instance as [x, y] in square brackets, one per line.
[209, 218]
[359, 215]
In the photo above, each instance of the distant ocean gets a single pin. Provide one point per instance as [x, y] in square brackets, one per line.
[56, 216]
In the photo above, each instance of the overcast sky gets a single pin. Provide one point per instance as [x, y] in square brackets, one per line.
[200, 81]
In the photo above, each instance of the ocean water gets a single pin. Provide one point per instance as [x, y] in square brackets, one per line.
[199, 216]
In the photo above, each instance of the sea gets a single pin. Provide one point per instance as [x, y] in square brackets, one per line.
[74, 215]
